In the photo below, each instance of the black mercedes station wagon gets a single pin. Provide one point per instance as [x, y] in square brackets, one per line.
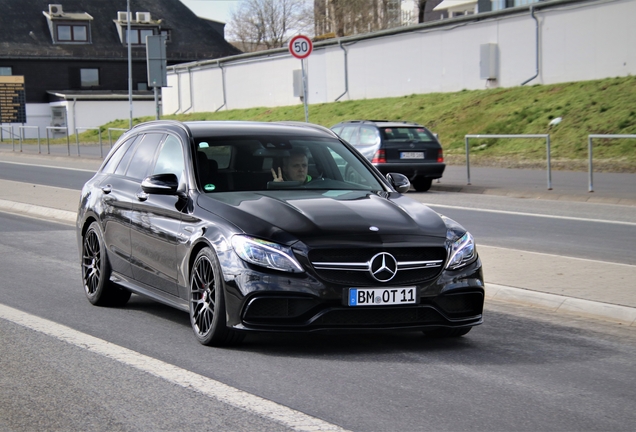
[271, 227]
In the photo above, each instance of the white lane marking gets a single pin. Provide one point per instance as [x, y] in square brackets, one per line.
[532, 214]
[264, 408]
[50, 166]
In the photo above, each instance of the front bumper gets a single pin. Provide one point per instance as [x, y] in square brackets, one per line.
[454, 299]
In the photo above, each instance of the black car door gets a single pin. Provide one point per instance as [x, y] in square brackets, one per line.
[117, 194]
[156, 220]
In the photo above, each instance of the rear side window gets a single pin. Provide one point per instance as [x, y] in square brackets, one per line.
[113, 161]
[406, 134]
[369, 135]
[350, 134]
[144, 155]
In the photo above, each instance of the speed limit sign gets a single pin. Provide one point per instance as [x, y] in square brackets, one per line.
[300, 46]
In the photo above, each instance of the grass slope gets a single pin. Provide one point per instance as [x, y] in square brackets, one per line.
[589, 107]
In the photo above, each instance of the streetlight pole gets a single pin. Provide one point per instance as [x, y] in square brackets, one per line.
[130, 83]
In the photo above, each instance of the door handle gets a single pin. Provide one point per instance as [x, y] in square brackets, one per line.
[142, 196]
[107, 189]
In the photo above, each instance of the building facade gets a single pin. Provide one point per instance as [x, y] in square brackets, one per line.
[73, 55]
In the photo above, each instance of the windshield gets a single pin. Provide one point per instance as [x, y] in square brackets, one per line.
[279, 162]
[406, 134]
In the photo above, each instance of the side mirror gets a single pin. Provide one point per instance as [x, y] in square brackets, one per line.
[399, 182]
[160, 184]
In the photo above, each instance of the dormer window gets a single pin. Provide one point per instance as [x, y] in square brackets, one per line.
[72, 33]
[68, 28]
[141, 26]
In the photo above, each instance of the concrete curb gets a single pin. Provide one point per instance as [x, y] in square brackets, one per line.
[38, 211]
[562, 304]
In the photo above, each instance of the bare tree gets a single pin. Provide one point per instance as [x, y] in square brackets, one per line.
[267, 24]
[347, 17]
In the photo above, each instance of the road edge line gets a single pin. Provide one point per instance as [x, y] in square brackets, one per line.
[224, 393]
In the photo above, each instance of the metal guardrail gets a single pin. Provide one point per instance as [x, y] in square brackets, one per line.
[110, 138]
[48, 142]
[589, 151]
[543, 136]
[99, 134]
[21, 133]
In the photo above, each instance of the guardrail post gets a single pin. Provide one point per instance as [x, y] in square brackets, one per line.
[590, 187]
[77, 140]
[467, 160]
[101, 151]
[547, 145]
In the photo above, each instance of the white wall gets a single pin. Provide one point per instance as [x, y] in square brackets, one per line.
[582, 40]
[85, 114]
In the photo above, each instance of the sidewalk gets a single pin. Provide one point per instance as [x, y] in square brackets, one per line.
[599, 290]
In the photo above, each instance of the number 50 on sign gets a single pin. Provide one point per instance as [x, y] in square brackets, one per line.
[300, 46]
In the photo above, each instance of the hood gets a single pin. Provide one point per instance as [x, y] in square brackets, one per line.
[312, 216]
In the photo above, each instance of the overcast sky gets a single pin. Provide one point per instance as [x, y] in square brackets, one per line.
[218, 10]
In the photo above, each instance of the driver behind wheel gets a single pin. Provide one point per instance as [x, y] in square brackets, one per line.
[295, 168]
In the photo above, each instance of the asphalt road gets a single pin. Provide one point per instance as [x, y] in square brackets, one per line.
[521, 370]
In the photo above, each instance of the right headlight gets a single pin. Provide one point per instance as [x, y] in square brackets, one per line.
[266, 254]
[460, 245]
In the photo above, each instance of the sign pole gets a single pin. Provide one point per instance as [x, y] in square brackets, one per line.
[302, 66]
[300, 46]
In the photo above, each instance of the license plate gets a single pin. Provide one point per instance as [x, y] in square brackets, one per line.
[411, 155]
[382, 296]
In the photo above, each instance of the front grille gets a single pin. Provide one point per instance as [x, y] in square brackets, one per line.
[354, 270]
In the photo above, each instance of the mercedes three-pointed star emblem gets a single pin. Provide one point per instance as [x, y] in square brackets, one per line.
[383, 267]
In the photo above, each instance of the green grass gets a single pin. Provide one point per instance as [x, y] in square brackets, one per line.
[587, 107]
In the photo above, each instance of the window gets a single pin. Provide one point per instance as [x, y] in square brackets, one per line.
[170, 159]
[72, 33]
[138, 36]
[142, 86]
[89, 77]
[369, 135]
[6, 70]
[113, 161]
[144, 154]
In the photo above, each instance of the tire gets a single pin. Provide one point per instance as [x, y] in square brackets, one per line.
[442, 332]
[422, 184]
[207, 302]
[98, 287]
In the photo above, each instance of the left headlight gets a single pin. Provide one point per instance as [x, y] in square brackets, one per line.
[266, 254]
[460, 245]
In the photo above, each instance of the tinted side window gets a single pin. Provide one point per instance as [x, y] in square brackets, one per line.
[369, 135]
[350, 134]
[170, 160]
[125, 160]
[144, 155]
[112, 162]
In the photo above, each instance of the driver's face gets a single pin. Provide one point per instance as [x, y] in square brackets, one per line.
[296, 168]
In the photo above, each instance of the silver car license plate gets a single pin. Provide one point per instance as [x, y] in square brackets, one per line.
[411, 155]
[382, 296]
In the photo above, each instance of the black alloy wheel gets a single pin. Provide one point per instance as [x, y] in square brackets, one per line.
[96, 271]
[207, 302]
